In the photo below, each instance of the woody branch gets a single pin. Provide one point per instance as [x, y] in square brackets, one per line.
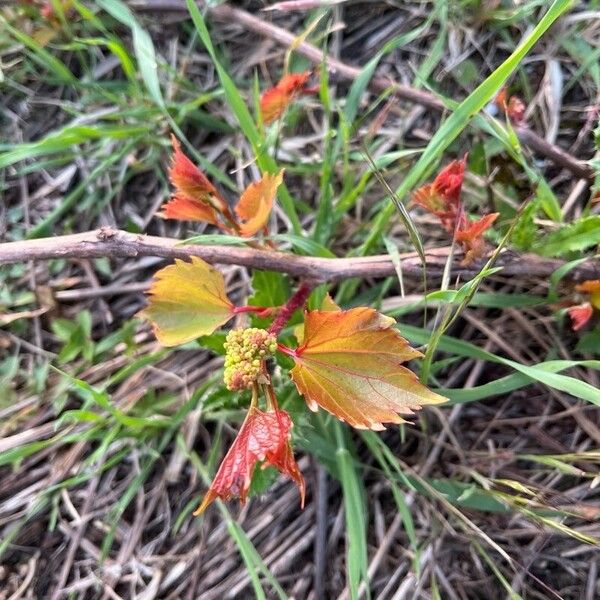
[112, 243]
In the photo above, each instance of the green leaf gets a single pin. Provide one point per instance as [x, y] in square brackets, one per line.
[41, 55]
[304, 245]
[571, 238]
[62, 139]
[142, 46]
[355, 513]
[545, 373]
[590, 342]
[187, 300]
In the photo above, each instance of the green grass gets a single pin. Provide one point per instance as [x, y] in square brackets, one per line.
[344, 198]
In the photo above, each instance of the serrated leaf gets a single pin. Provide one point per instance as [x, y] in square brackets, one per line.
[328, 305]
[349, 364]
[195, 197]
[184, 208]
[187, 300]
[264, 436]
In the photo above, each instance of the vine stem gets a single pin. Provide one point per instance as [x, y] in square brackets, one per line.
[294, 303]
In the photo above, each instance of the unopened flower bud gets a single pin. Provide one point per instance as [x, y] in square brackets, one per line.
[245, 350]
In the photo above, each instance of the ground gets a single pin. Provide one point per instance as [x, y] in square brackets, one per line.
[108, 440]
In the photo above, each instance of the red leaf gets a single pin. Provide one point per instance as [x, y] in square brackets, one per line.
[195, 197]
[449, 181]
[442, 196]
[264, 436]
[580, 315]
[275, 100]
[475, 229]
[428, 198]
[184, 208]
[470, 236]
[442, 199]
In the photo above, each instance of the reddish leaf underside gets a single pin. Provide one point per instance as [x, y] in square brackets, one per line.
[580, 315]
[264, 436]
[442, 199]
[256, 203]
[187, 300]
[195, 197]
[349, 364]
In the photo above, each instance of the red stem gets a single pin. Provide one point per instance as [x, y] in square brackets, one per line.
[261, 311]
[286, 350]
[288, 309]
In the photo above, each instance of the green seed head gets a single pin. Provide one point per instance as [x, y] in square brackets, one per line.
[245, 349]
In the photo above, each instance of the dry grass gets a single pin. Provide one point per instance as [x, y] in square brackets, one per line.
[102, 508]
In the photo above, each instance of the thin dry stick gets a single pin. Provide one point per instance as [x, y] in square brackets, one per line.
[377, 84]
[112, 243]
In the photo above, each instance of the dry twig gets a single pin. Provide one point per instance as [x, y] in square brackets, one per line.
[112, 243]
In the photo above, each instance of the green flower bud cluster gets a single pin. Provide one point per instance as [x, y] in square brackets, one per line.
[244, 351]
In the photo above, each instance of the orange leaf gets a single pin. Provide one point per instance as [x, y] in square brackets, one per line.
[580, 315]
[428, 198]
[185, 208]
[195, 198]
[501, 99]
[475, 229]
[264, 436]
[256, 203]
[349, 364]
[187, 300]
[470, 237]
[275, 100]
[328, 305]
[512, 106]
[592, 287]
[589, 287]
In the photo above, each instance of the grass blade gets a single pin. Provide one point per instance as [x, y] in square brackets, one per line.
[244, 118]
[462, 115]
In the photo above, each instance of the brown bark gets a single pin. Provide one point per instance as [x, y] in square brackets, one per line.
[113, 243]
